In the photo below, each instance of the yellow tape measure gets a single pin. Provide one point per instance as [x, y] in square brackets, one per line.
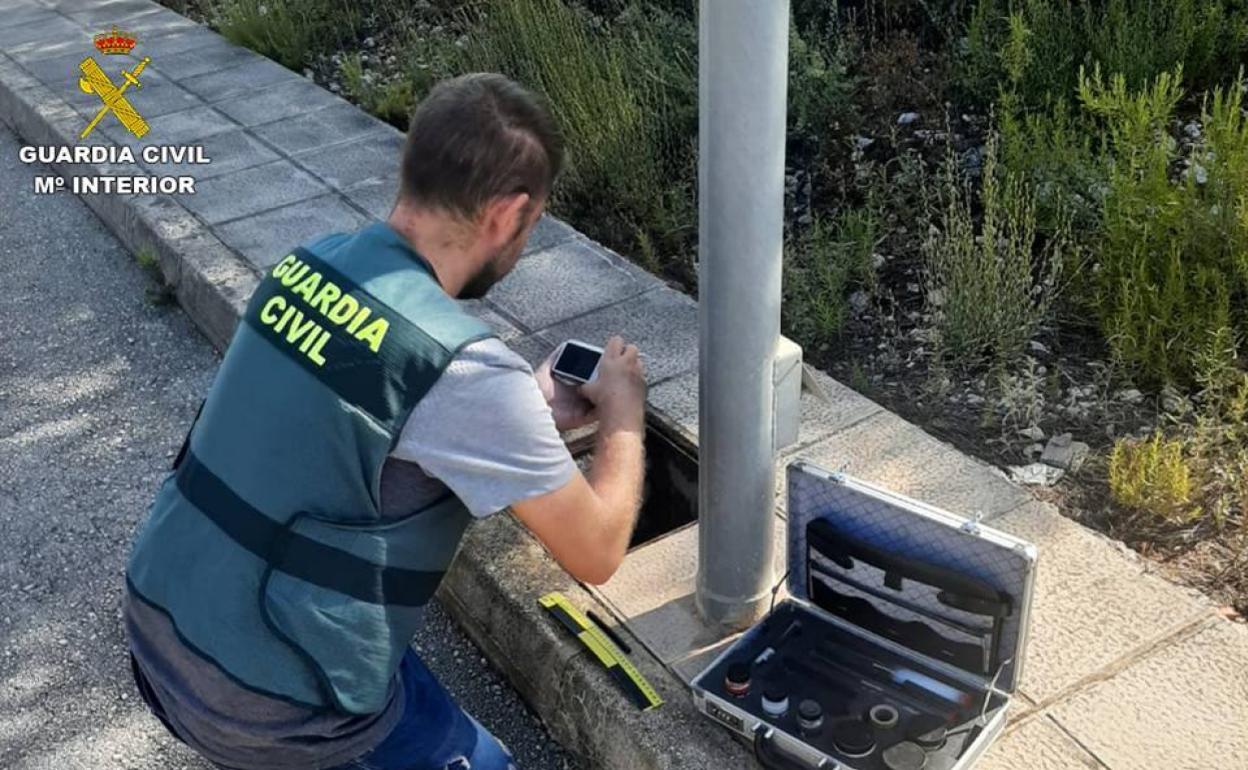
[621, 669]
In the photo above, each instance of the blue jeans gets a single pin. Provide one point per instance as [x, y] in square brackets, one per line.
[434, 732]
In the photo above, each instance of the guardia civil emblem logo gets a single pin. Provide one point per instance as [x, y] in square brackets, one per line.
[95, 81]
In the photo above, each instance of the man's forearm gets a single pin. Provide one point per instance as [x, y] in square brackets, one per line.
[616, 477]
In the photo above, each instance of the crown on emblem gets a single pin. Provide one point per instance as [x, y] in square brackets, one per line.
[115, 42]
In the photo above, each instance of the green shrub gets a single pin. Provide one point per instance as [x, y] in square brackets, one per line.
[391, 100]
[820, 88]
[1138, 39]
[988, 288]
[621, 97]
[1154, 478]
[290, 32]
[1172, 254]
[821, 264]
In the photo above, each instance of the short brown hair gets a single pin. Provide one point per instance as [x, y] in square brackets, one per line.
[476, 137]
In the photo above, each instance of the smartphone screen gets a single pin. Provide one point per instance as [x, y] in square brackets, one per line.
[576, 361]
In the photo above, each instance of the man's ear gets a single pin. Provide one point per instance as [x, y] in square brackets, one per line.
[505, 215]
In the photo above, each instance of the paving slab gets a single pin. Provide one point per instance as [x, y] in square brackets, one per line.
[565, 280]
[178, 43]
[155, 25]
[886, 450]
[159, 95]
[60, 73]
[252, 72]
[227, 150]
[372, 156]
[21, 14]
[265, 238]
[185, 127]
[1094, 604]
[653, 591]
[280, 101]
[505, 329]
[333, 124]
[376, 196]
[251, 191]
[106, 13]
[46, 37]
[1038, 744]
[1184, 706]
[14, 76]
[533, 347]
[833, 407]
[688, 667]
[549, 231]
[661, 322]
[202, 60]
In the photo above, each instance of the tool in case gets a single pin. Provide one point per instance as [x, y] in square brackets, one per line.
[898, 647]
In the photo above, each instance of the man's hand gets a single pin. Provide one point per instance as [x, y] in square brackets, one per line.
[588, 523]
[619, 392]
[570, 409]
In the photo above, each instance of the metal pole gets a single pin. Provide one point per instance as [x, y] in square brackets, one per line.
[742, 85]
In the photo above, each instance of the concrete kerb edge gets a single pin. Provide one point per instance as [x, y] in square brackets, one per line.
[211, 282]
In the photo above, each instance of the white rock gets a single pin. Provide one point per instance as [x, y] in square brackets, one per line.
[1038, 347]
[1036, 475]
[1033, 432]
[1131, 396]
[906, 118]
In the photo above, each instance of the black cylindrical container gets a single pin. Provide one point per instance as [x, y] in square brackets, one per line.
[853, 739]
[809, 716]
[737, 680]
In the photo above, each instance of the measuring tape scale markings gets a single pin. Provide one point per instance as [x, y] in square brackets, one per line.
[635, 686]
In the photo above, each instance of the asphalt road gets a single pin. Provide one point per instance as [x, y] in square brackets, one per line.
[97, 387]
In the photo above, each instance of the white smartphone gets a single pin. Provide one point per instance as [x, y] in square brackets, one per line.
[576, 362]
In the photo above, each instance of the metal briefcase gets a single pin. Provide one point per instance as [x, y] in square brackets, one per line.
[899, 646]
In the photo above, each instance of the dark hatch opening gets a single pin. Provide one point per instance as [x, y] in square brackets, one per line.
[670, 497]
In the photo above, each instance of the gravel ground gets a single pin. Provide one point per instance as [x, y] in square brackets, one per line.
[97, 386]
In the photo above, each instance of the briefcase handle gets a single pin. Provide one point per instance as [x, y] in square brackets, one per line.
[773, 757]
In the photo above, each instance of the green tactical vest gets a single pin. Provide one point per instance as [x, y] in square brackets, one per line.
[265, 545]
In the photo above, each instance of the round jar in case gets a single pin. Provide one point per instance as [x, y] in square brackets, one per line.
[905, 756]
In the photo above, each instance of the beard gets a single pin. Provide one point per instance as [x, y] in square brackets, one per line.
[495, 268]
[481, 283]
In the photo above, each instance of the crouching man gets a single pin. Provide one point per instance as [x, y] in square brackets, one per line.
[359, 421]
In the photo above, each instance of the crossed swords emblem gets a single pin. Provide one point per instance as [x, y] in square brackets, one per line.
[95, 81]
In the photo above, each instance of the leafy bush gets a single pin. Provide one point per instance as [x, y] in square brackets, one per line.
[1173, 257]
[621, 97]
[821, 264]
[820, 88]
[1138, 39]
[290, 32]
[989, 288]
[1152, 477]
[390, 100]
[1201, 471]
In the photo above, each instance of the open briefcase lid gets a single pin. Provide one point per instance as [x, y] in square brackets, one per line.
[941, 586]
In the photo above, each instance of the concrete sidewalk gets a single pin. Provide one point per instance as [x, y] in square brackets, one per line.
[1124, 669]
